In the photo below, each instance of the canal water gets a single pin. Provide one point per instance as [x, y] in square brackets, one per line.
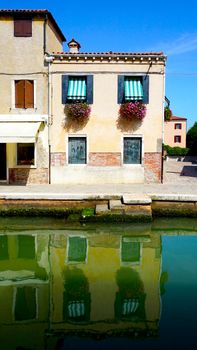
[98, 287]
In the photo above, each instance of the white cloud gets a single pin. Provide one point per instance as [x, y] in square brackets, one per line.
[185, 43]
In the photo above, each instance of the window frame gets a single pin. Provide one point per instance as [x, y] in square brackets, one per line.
[69, 101]
[13, 94]
[33, 166]
[179, 137]
[137, 136]
[67, 150]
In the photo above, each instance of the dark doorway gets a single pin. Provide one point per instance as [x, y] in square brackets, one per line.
[3, 166]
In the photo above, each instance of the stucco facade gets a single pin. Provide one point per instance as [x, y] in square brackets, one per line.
[175, 132]
[105, 131]
[22, 60]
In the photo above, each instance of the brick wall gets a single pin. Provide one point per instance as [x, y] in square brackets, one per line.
[58, 159]
[104, 159]
[23, 176]
[152, 167]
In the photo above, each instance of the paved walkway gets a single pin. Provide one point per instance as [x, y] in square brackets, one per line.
[180, 182]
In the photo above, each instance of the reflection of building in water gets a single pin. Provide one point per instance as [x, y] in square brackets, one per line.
[24, 290]
[105, 283]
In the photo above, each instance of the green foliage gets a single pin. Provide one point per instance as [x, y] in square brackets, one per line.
[191, 140]
[167, 113]
[176, 151]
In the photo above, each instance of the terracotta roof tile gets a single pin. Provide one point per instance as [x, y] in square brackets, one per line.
[177, 118]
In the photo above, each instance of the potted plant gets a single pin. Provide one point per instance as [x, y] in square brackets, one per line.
[135, 110]
[79, 111]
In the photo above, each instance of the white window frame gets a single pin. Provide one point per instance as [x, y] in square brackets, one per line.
[35, 157]
[142, 150]
[87, 150]
[13, 102]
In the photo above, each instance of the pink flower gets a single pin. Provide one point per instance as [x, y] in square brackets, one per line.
[132, 110]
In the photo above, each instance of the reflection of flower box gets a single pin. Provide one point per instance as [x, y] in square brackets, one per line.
[132, 110]
[77, 111]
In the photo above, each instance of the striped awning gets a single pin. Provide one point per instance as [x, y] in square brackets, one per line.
[129, 306]
[133, 89]
[77, 88]
[76, 309]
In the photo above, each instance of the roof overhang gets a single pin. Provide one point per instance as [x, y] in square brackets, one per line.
[19, 132]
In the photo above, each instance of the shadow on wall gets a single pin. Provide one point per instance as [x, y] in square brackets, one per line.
[189, 171]
[128, 125]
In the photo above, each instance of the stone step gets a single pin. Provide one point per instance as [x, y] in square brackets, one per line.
[136, 199]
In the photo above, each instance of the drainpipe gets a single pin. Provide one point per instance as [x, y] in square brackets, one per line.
[163, 105]
[44, 34]
[49, 60]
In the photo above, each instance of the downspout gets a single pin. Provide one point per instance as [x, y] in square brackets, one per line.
[44, 34]
[49, 60]
[163, 106]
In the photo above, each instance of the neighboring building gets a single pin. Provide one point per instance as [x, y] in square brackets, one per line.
[106, 149]
[25, 37]
[175, 131]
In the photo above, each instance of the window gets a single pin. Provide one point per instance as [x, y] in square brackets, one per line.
[24, 94]
[177, 139]
[23, 27]
[25, 303]
[77, 150]
[77, 249]
[178, 126]
[132, 150]
[130, 251]
[77, 89]
[4, 248]
[25, 154]
[133, 88]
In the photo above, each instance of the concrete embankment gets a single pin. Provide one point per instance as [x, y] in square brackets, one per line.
[98, 207]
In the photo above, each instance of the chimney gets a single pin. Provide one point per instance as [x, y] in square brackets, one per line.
[74, 46]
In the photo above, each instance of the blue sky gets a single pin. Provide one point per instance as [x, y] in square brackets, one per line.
[168, 26]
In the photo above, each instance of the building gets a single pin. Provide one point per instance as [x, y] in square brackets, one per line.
[25, 37]
[175, 131]
[106, 148]
[38, 142]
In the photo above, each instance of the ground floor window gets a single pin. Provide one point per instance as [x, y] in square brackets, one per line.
[25, 154]
[132, 150]
[77, 150]
[77, 249]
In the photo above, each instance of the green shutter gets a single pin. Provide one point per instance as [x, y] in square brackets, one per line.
[120, 88]
[26, 247]
[64, 88]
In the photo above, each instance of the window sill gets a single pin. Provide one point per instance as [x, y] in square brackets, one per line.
[26, 167]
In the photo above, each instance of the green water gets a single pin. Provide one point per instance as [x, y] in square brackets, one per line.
[98, 287]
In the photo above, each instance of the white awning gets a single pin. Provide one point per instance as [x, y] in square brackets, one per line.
[18, 132]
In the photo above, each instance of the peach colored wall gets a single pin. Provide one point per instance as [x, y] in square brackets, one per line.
[170, 132]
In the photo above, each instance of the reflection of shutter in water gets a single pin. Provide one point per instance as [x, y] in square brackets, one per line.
[129, 306]
[4, 248]
[25, 307]
[26, 247]
[77, 249]
[76, 309]
[130, 250]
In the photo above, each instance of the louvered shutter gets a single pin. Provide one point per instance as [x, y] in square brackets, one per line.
[23, 27]
[65, 80]
[146, 89]
[20, 93]
[120, 88]
[89, 97]
[29, 94]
